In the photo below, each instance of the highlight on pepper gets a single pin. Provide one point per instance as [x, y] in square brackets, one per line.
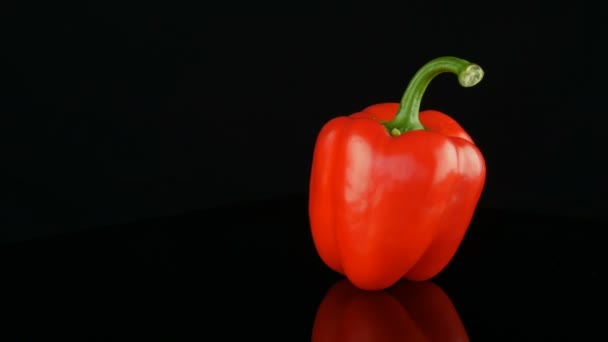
[393, 189]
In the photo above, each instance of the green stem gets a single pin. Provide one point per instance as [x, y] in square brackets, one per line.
[406, 119]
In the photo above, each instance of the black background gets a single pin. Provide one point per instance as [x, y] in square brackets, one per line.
[143, 119]
[115, 114]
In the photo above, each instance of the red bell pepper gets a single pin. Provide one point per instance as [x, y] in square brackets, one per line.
[409, 311]
[392, 190]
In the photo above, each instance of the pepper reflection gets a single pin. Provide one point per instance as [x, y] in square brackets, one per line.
[408, 311]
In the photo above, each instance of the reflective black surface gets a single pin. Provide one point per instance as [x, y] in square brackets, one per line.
[251, 271]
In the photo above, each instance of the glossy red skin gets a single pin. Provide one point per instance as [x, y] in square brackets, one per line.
[382, 208]
[410, 311]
